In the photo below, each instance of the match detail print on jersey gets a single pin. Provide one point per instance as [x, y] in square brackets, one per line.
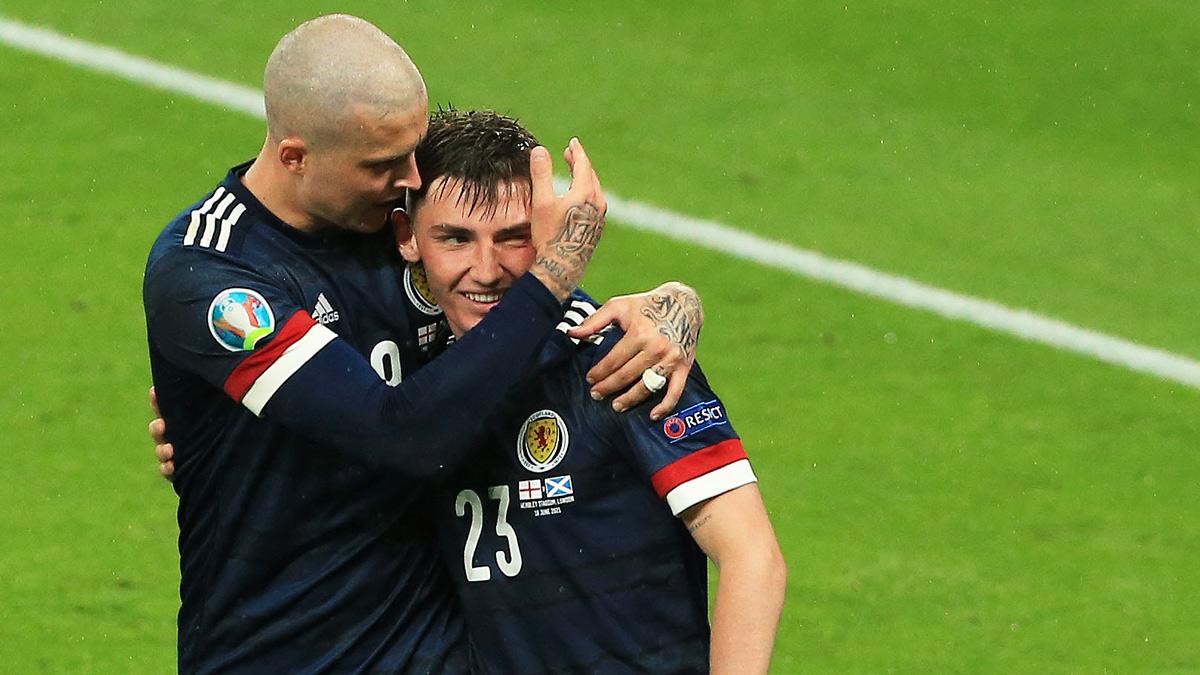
[260, 375]
[703, 475]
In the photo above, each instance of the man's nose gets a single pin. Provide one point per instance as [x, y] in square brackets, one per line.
[408, 176]
[486, 268]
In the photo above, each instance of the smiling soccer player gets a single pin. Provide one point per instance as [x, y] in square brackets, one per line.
[577, 536]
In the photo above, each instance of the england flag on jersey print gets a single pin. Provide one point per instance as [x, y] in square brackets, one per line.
[530, 489]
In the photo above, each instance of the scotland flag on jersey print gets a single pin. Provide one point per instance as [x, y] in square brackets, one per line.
[559, 486]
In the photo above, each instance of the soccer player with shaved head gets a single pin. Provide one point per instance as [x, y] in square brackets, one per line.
[288, 344]
[345, 107]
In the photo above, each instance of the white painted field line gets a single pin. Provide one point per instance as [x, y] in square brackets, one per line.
[1021, 323]
[709, 234]
[127, 66]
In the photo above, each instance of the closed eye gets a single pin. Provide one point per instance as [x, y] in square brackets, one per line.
[517, 235]
[387, 163]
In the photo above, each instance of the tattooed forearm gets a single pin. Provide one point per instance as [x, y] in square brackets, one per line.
[561, 262]
[676, 311]
[551, 273]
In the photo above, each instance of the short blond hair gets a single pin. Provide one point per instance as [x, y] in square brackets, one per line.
[325, 69]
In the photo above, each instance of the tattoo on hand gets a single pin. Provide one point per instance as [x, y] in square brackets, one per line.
[566, 256]
[677, 313]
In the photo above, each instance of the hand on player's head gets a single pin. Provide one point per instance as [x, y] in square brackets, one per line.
[565, 229]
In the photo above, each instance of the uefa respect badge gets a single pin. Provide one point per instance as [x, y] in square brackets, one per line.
[238, 318]
[695, 419]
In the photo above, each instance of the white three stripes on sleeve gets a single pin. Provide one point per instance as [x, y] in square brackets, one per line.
[210, 219]
[574, 316]
[227, 225]
[292, 359]
[194, 226]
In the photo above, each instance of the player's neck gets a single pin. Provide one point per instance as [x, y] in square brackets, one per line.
[271, 188]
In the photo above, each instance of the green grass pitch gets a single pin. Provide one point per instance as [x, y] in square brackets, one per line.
[949, 499]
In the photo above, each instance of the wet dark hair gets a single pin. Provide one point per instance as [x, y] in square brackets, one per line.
[477, 151]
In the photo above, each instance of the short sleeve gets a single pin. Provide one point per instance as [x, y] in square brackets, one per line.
[233, 326]
[693, 454]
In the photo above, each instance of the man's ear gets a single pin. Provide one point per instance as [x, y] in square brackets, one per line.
[293, 153]
[406, 240]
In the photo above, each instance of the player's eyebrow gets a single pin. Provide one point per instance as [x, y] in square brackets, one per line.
[393, 159]
[448, 229]
[518, 230]
[403, 155]
[453, 230]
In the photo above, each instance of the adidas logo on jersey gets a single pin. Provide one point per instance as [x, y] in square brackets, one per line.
[324, 313]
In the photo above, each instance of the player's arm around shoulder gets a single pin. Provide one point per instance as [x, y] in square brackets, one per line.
[661, 328]
[734, 531]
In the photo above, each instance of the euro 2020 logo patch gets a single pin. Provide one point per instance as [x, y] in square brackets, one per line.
[238, 318]
[543, 441]
[416, 287]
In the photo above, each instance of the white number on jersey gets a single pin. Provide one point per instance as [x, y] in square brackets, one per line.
[510, 561]
[385, 359]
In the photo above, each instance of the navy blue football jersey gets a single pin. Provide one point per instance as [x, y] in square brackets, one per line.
[286, 369]
[561, 534]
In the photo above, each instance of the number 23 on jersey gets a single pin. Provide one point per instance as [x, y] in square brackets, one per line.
[509, 561]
